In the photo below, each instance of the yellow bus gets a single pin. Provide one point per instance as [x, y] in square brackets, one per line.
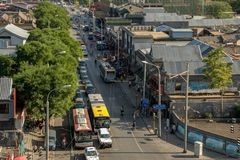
[100, 116]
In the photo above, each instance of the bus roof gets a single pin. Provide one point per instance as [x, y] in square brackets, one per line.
[81, 120]
[95, 98]
[106, 66]
[100, 111]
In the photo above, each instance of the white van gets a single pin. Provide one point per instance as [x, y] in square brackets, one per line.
[104, 138]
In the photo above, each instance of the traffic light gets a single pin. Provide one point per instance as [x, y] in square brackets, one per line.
[232, 129]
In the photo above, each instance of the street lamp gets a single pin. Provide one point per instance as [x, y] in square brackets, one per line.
[47, 119]
[159, 97]
[186, 105]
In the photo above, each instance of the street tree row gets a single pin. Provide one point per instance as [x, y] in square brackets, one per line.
[47, 61]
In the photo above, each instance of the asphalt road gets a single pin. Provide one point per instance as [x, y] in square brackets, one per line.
[127, 144]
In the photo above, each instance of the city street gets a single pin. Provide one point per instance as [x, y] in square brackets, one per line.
[139, 144]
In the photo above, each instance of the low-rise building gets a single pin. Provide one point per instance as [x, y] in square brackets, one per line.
[11, 36]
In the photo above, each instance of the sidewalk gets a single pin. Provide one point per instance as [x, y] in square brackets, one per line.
[168, 142]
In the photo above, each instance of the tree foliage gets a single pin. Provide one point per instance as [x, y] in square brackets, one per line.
[47, 61]
[7, 65]
[49, 15]
[219, 9]
[217, 70]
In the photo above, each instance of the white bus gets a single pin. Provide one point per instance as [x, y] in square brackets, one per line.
[107, 72]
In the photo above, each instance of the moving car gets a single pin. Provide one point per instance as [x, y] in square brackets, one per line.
[104, 138]
[91, 153]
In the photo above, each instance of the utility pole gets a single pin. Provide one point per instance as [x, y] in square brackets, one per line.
[144, 80]
[159, 103]
[118, 44]
[186, 104]
[186, 112]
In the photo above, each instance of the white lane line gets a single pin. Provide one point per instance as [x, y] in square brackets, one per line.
[136, 142]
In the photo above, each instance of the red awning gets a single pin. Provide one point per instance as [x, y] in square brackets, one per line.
[20, 158]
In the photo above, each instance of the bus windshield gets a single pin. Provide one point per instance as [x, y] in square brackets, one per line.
[103, 123]
[83, 137]
[111, 74]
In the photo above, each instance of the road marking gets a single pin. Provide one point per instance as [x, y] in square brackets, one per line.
[136, 142]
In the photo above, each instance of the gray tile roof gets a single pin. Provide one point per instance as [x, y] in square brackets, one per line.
[163, 17]
[176, 53]
[163, 28]
[236, 67]
[181, 30]
[153, 10]
[141, 46]
[204, 47]
[15, 30]
[213, 22]
[194, 67]
[5, 88]
[179, 67]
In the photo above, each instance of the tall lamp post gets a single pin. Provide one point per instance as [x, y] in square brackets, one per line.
[186, 104]
[47, 119]
[159, 98]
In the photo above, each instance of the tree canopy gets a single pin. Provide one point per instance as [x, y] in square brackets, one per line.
[219, 9]
[47, 61]
[49, 15]
[218, 72]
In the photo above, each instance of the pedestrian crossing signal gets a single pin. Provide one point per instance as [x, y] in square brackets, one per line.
[232, 129]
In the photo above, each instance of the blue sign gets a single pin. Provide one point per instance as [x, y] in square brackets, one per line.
[145, 103]
[161, 106]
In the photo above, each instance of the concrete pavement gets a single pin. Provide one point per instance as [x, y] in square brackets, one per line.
[168, 142]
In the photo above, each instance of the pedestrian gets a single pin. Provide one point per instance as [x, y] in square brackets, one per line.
[122, 111]
[121, 78]
[134, 116]
[134, 124]
[173, 129]
[35, 148]
[129, 83]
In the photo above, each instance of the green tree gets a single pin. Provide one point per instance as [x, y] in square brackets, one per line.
[235, 5]
[42, 66]
[7, 66]
[219, 9]
[49, 15]
[33, 84]
[218, 72]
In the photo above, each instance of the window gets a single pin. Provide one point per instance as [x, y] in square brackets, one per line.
[4, 108]
[178, 87]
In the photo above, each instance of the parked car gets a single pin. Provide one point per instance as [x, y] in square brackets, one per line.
[91, 153]
[82, 63]
[84, 79]
[104, 138]
[86, 28]
[90, 89]
[90, 36]
[80, 104]
[52, 140]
